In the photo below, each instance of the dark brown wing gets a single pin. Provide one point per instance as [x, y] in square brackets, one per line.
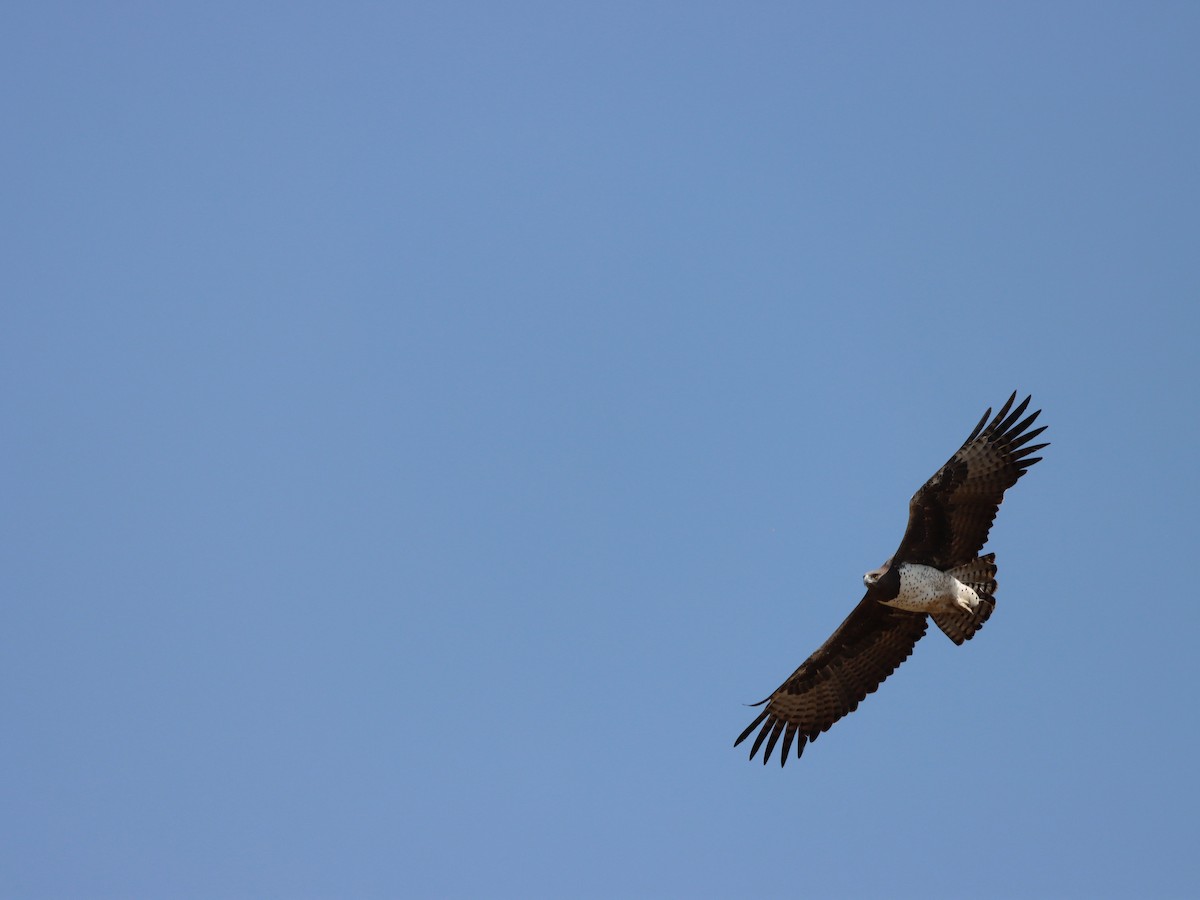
[950, 517]
[831, 683]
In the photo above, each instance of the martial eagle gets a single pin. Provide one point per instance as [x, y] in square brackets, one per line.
[936, 571]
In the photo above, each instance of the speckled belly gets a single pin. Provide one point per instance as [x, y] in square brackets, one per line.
[926, 589]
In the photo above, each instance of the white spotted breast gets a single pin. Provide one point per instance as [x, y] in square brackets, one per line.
[926, 589]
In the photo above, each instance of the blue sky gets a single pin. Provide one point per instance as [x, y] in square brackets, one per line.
[428, 425]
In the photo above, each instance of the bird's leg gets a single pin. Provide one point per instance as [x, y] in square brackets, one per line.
[965, 597]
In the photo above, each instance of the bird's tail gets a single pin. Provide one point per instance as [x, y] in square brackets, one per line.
[979, 574]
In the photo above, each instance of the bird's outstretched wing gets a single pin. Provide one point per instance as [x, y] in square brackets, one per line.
[865, 650]
[950, 516]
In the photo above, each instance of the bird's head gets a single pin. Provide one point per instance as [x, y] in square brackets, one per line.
[872, 577]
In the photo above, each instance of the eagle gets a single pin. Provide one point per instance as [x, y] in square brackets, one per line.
[936, 571]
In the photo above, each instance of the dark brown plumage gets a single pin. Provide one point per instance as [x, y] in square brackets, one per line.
[950, 516]
[949, 520]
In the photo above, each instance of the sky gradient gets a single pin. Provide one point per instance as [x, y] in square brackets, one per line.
[428, 425]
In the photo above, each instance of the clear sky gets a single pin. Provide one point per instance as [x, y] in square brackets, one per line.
[428, 424]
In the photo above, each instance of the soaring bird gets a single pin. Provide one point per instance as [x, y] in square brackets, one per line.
[936, 571]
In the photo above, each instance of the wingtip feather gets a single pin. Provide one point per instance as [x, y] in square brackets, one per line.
[749, 728]
[762, 736]
[1020, 439]
[978, 427]
[788, 736]
[1002, 413]
[771, 741]
[1015, 414]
